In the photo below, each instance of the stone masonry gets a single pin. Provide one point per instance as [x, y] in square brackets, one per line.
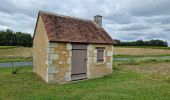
[40, 44]
[98, 69]
[58, 63]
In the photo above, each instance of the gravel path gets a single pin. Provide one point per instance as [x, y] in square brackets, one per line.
[9, 64]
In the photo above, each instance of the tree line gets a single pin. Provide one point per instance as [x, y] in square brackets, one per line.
[142, 43]
[10, 38]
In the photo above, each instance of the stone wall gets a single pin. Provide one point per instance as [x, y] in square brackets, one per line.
[52, 61]
[98, 69]
[59, 63]
[40, 44]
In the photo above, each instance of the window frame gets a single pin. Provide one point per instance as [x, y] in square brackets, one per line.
[100, 54]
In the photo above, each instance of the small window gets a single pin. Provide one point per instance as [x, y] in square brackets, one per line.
[100, 53]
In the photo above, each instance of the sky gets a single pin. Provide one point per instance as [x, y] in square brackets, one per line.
[126, 20]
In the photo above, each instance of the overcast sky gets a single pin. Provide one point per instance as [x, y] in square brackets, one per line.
[126, 20]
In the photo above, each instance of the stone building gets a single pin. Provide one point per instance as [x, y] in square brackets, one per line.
[67, 48]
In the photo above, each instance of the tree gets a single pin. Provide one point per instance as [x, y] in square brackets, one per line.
[143, 43]
[24, 39]
[9, 38]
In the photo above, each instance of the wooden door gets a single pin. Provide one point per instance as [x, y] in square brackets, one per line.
[79, 61]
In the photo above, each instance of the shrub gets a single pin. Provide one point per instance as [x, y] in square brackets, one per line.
[15, 69]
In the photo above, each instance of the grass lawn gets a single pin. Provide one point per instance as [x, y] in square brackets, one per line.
[153, 69]
[2, 60]
[120, 85]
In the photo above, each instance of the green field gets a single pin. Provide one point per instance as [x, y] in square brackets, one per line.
[120, 85]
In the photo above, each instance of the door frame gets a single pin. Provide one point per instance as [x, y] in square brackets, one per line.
[84, 47]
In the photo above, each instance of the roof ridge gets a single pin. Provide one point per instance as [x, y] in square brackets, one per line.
[65, 16]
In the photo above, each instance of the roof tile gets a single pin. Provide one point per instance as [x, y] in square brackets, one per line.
[69, 29]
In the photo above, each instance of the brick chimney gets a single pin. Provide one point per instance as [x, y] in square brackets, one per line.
[98, 20]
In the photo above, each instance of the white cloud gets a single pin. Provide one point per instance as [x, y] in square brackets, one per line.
[123, 19]
[4, 27]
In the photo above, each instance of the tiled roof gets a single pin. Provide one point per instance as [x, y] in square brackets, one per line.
[61, 28]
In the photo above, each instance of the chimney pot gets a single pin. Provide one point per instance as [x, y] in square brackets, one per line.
[98, 20]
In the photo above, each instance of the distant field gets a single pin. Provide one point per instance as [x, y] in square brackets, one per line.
[135, 51]
[8, 47]
[12, 53]
[151, 47]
